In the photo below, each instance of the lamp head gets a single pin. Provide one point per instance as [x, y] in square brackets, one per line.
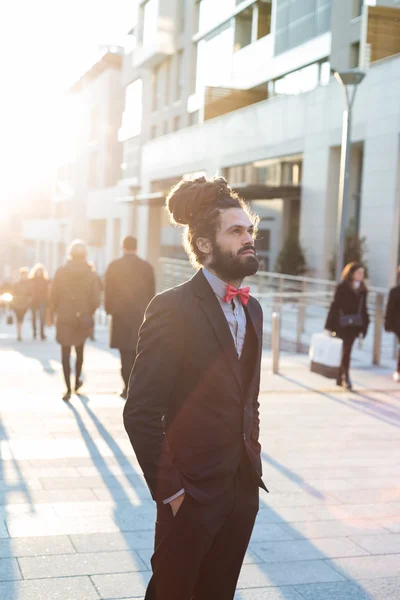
[349, 77]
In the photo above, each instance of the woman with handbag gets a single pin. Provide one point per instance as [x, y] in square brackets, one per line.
[22, 299]
[348, 316]
[75, 297]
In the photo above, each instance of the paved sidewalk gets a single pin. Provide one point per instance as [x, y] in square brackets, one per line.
[76, 518]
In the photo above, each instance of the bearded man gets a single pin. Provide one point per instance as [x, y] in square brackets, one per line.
[192, 412]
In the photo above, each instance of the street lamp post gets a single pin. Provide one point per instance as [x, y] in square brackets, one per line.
[349, 80]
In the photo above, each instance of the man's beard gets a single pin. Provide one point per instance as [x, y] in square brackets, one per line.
[233, 267]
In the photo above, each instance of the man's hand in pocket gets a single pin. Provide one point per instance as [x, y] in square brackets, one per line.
[176, 504]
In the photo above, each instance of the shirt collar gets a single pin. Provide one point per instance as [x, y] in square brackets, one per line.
[218, 286]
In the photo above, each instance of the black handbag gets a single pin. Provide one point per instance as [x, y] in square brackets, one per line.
[347, 321]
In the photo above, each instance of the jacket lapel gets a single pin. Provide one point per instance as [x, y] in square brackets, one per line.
[213, 311]
[254, 321]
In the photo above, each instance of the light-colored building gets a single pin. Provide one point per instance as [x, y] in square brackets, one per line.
[244, 89]
[85, 200]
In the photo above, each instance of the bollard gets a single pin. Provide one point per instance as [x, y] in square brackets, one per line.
[379, 303]
[276, 341]
[301, 317]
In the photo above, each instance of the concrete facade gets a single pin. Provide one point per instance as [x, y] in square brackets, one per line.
[306, 121]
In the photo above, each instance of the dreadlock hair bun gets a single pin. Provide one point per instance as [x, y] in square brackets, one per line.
[189, 199]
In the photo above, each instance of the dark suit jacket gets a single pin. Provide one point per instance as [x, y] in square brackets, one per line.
[392, 317]
[186, 415]
[129, 287]
[348, 302]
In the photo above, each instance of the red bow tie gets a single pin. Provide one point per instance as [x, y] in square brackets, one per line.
[232, 292]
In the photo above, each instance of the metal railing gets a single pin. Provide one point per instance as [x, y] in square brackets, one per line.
[302, 304]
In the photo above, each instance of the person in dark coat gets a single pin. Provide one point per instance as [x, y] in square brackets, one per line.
[75, 296]
[129, 287]
[22, 299]
[351, 299]
[192, 412]
[392, 319]
[40, 297]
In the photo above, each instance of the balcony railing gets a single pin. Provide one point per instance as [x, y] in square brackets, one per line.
[303, 303]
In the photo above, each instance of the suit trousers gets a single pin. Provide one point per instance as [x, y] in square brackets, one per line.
[199, 552]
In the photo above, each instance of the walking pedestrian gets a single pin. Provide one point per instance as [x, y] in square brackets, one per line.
[40, 296]
[392, 319]
[129, 287]
[22, 299]
[348, 316]
[192, 412]
[75, 297]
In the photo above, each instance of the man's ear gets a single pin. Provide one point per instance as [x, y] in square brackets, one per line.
[204, 245]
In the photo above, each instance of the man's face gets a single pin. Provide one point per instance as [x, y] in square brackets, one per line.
[233, 255]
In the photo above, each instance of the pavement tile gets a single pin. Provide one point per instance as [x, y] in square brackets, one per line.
[65, 483]
[286, 593]
[326, 529]
[392, 525]
[365, 496]
[48, 496]
[343, 590]
[9, 569]
[3, 530]
[289, 573]
[106, 542]
[317, 549]
[299, 499]
[80, 564]
[115, 587]
[44, 527]
[378, 589]
[68, 588]
[379, 544]
[270, 533]
[8, 485]
[136, 494]
[368, 567]
[35, 546]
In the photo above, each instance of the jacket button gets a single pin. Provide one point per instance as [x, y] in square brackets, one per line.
[244, 437]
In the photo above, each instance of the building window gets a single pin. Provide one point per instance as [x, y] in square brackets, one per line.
[299, 21]
[354, 55]
[132, 116]
[153, 132]
[264, 8]
[243, 28]
[212, 12]
[179, 75]
[214, 57]
[298, 82]
[177, 123]
[165, 130]
[357, 8]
